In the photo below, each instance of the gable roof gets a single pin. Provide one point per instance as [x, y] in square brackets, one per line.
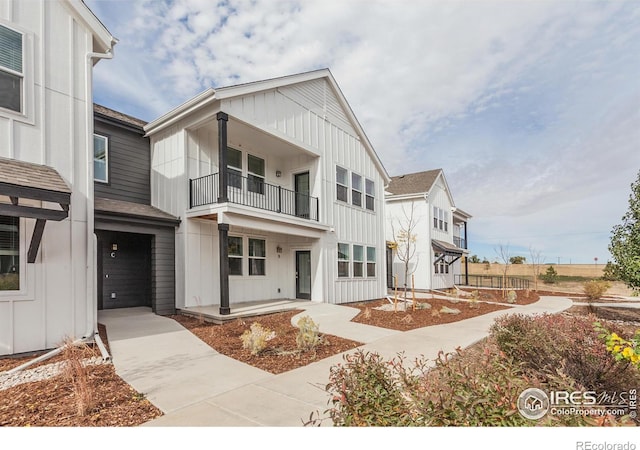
[212, 95]
[103, 41]
[413, 183]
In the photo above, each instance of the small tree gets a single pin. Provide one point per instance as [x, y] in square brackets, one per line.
[474, 259]
[625, 242]
[536, 261]
[504, 256]
[550, 276]
[517, 260]
[406, 243]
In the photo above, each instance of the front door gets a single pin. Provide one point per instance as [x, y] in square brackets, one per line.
[301, 184]
[303, 274]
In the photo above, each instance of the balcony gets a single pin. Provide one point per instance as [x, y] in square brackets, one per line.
[253, 191]
[460, 242]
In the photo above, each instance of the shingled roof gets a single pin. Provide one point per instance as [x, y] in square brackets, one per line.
[29, 175]
[122, 208]
[413, 183]
[118, 116]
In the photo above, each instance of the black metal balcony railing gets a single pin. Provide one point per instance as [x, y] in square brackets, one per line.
[253, 191]
[460, 242]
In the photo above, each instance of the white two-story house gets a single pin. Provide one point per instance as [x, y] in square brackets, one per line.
[47, 257]
[422, 203]
[280, 193]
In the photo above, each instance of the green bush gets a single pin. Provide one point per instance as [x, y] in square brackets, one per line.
[550, 276]
[609, 272]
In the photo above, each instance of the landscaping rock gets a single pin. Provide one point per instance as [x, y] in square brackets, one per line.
[447, 310]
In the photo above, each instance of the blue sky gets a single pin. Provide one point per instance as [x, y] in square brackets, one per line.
[531, 108]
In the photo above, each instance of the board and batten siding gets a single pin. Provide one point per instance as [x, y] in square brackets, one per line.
[52, 302]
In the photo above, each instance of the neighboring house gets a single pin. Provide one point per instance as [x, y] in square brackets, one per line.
[47, 260]
[279, 191]
[440, 231]
[136, 242]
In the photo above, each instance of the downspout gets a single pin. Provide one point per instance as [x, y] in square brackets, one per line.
[92, 300]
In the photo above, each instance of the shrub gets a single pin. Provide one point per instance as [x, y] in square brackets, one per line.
[550, 276]
[308, 337]
[557, 344]
[609, 272]
[512, 297]
[256, 337]
[595, 289]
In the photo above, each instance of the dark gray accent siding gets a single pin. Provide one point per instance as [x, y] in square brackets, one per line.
[162, 279]
[128, 167]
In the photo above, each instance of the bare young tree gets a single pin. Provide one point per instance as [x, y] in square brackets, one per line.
[406, 243]
[536, 262]
[504, 256]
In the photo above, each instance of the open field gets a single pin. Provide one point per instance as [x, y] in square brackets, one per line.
[570, 270]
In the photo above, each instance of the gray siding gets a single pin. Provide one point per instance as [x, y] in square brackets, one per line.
[163, 284]
[129, 163]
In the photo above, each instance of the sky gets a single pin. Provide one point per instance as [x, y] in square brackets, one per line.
[531, 108]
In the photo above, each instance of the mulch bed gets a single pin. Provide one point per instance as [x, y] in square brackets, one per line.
[523, 297]
[410, 319]
[52, 402]
[281, 354]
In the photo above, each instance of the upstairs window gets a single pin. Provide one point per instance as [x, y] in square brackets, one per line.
[440, 219]
[255, 174]
[11, 69]
[358, 258]
[342, 184]
[370, 194]
[100, 158]
[343, 260]
[234, 168]
[356, 189]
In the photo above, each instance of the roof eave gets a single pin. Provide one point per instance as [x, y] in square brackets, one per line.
[204, 98]
[101, 35]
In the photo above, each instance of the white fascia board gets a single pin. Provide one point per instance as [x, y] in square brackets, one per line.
[100, 33]
[178, 113]
[399, 198]
[462, 214]
[265, 85]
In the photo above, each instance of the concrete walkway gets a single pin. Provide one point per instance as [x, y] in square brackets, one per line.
[196, 386]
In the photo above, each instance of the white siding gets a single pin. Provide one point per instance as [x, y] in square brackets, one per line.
[53, 300]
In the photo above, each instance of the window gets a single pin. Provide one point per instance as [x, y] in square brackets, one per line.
[234, 167]
[11, 69]
[9, 253]
[100, 158]
[257, 256]
[356, 189]
[371, 261]
[446, 221]
[343, 260]
[435, 217]
[255, 174]
[358, 258]
[440, 219]
[235, 255]
[370, 194]
[342, 186]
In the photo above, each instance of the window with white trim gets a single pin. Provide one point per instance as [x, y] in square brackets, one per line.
[235, 255]
[257, 256]
[11, 69]
[358, 261]
[371, 261]
[440, 219]
[369, 194]
[234, 168]
[100, 158]
[343, 260]
[356, 189]
[342, 184]
[255, 174]
[9, 253]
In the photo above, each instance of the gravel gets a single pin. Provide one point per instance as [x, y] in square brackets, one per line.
[40, 373]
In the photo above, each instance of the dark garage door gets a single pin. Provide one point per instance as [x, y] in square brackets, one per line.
[124, 270]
